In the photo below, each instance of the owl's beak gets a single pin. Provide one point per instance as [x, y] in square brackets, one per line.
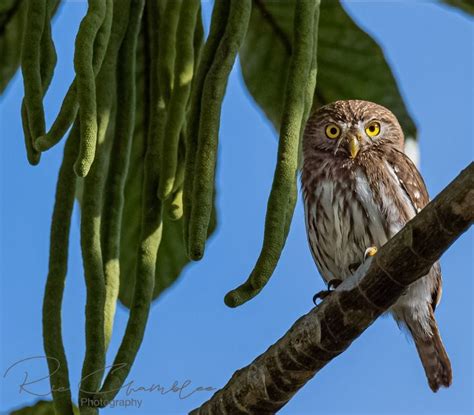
[353, 146]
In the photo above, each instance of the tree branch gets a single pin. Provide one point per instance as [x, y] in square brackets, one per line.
[271, 380]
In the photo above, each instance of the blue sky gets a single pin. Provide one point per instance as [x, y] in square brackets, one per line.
[191, 334]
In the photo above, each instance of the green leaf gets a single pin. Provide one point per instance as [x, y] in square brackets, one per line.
[265, 54]
[465, 5]
[350, 63]
[40, 408]
[12, 21]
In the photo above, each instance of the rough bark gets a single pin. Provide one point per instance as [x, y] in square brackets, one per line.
[271, 380]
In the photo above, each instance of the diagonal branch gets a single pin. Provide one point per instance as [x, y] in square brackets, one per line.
[271, 380]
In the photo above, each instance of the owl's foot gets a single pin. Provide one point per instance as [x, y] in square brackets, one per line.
[370, 251]
[353, 267]
[334, 283]
[321, 295]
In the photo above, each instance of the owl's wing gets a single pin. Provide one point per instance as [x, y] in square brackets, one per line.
[414, 186]
[410, 179]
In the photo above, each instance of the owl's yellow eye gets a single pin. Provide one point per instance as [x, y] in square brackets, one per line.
[372, 129]
[332, 131]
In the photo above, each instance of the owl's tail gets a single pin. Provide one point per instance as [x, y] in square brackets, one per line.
[432, 353]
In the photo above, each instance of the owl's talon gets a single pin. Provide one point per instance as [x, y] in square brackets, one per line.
[321, 295]
[353, 267]
[332, 285]
[370, 251]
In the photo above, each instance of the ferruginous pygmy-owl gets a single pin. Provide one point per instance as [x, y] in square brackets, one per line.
[359, 190]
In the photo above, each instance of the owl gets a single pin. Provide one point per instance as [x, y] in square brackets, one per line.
[359, 190]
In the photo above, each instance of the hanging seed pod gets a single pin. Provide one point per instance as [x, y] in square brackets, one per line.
[46, 57]
[38, 63]
[157, 105]
[218, 22]
[163, 39]
[85, 84]
[283, 194]
[198, 42]
[179, 177]
[32, 154]
[58, 257]
[145, 278]
[145, 272]
[63, 121]
[168, 47]
[212, 96]
[48, 50]
[118, 168]
[91, 226]
[311, 80]
[31, 66]
[70, 106]
[174, 205]
[183, 75]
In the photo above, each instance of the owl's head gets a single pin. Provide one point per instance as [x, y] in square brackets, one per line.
[350, 128]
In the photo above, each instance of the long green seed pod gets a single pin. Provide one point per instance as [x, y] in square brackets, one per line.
[118, 167]
[85, 83]
[278, 215]
[63, 121]
[183, 75]
[32, 154]
[174, 205]
[198, 39]
[168, 46]
[157, 110]
[48, 51]
[47, 61]
[30, 66]
[308, 103]
[32, 111]
[53, 296]
[216, 31]
[91, 225]
[163, 57]
[311, 82]
[212, 96]
[94, 360]
[145, 273]
[179, 176]
[292, 199]
[106, 89]
[70, 106]
[144, 284]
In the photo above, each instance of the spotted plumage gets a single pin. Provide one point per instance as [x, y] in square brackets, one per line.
[359, 190]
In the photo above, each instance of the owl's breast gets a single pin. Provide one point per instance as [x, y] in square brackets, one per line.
[343, 218]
